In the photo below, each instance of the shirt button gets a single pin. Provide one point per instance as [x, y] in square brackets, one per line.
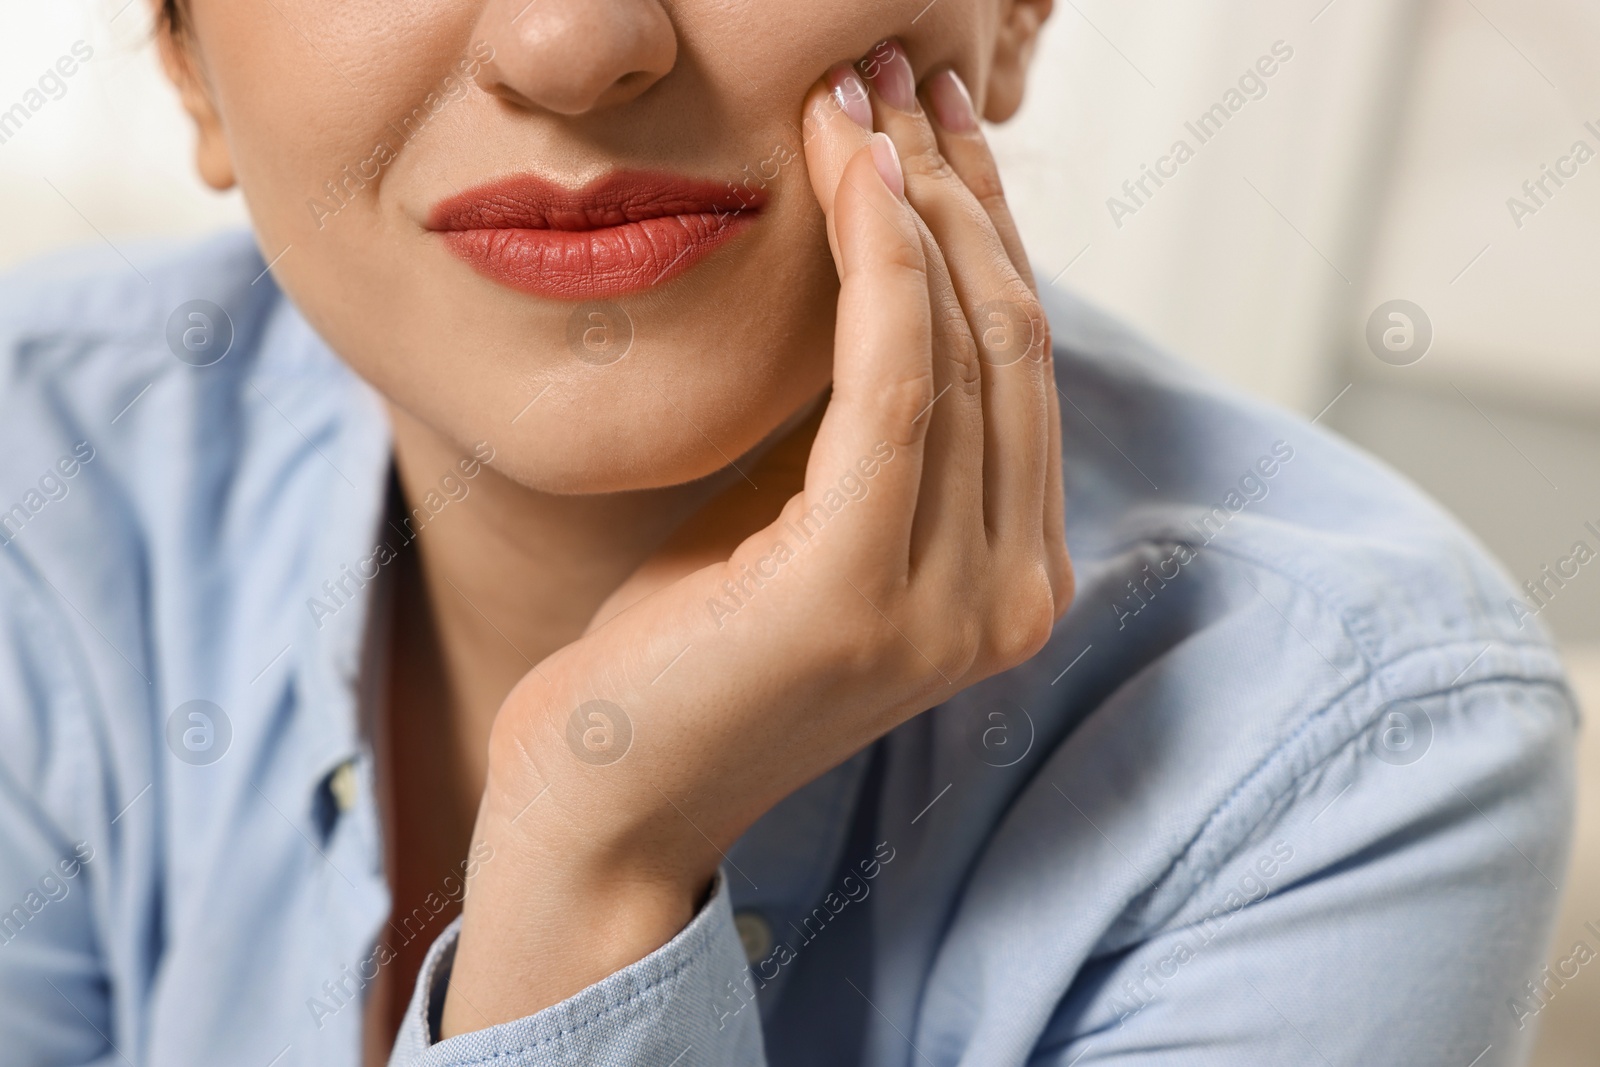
[342, 784]
[755, 933]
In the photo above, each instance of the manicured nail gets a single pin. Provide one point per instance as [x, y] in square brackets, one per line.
[850, 94]
[889, 71]
[887, 161]
[952, 104]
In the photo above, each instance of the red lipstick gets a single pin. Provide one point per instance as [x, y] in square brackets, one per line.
[627, 231]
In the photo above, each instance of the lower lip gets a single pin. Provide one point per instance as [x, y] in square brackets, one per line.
[598, 263]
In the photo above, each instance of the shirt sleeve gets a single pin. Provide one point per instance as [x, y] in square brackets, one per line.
[1393, 908]
[669, 1008]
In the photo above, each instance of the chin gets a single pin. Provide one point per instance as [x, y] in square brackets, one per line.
[647, 453]
[622, 435]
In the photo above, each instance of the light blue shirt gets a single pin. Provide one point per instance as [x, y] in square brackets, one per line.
[1291, 782]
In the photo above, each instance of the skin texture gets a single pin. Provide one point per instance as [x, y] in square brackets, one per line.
[619, 498]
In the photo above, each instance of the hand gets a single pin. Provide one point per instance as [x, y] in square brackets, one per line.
[925, 554]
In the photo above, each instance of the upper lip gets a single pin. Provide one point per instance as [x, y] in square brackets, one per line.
[528, 202]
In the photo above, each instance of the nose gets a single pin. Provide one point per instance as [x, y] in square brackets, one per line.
[574, 56]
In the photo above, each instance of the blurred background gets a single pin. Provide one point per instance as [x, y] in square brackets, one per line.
[1425, 151]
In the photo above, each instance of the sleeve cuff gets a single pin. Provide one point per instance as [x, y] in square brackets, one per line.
[686, 995]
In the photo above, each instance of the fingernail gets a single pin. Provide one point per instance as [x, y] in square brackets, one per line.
[887, 161]
[850, 94]
[889, 71]
[952, 104]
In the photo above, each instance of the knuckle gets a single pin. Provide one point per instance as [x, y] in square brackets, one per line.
[859, 645]
[966, 369]
[1026, 301]
[984, 182]
[867, 639]
[1023, 622]
[1026, 329]
[905, 262]
[926, 649]
[901, 402]
[960, 349]
[852, 639]
[957, 646]
[923, 161]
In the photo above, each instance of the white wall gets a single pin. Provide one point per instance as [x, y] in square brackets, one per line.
[1503, 87]
[1248, 258]
[114, 146]
[1389, 145]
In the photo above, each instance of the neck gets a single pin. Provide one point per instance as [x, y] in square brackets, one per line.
[506, 575]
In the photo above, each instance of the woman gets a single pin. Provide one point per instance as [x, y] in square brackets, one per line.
[656, 419]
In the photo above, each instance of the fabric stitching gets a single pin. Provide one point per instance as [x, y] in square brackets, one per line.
[1208, 871]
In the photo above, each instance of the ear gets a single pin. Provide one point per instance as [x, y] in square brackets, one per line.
[180, 60]
[1020, 21]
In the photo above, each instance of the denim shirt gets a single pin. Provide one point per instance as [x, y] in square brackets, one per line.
[1290, 783]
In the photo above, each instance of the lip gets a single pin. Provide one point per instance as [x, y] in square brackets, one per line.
[624, 232]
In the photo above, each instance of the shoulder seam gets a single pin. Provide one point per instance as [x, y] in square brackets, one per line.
[1207, 871]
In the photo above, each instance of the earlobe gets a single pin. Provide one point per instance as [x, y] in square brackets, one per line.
[1018, 33]
[212, 158]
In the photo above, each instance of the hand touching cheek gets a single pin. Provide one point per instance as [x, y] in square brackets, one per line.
[924, 554]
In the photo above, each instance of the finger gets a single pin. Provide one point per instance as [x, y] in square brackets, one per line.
[948, 533]
[882, 374]
[964, 147]
[1001, 310]
[961, 141]
[950, 503]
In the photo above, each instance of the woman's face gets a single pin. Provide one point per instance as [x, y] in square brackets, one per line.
[580, 230]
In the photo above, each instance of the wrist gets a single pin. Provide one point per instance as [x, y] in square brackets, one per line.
[567, 893]
[528, 944]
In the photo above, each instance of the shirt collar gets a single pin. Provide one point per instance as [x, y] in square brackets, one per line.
[341, 418]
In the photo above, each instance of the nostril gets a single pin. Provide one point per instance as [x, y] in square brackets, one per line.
[574, 56]
[636, 83]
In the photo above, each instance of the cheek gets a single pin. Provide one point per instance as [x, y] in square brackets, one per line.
[341, 149]
[314, 96]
